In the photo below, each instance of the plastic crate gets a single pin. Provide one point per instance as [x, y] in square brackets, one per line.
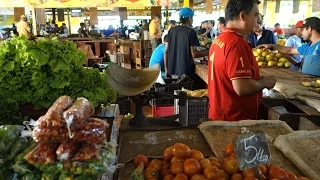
[124, 104]
[192, 112]
[159, 111]
[169, 88]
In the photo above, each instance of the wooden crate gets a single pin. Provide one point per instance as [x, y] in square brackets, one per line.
[138, 63]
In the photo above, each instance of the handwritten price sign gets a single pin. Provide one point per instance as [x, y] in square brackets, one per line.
[251, 149]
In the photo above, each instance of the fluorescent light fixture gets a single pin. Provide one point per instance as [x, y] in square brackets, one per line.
[76, 10]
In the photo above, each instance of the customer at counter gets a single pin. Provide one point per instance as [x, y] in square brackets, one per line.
[181, 48]
[82, 31]
[310, 51]
[144, 27]
[234, 82]
[261, 35]
[23, 27]
[110, 32]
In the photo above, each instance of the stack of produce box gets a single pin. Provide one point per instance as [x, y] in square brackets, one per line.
[70, 144]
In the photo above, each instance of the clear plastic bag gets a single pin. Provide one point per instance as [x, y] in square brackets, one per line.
[54, 115]
[77, 113]
[43, 154]
[67, 150]
[87, 152]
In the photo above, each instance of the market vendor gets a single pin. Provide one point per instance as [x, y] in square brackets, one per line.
[234, 82]
[181, 48]
[155, 31]
[261, 35]
[310, 64]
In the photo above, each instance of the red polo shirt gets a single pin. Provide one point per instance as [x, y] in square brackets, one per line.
[230, 58]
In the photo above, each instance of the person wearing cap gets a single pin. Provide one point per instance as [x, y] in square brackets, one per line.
[261, 35]
[295, 41]
[181, 49]
[155, 31]
[23, 27]
[234, 82]
[278, 30]
[220, 25]
[310, 63]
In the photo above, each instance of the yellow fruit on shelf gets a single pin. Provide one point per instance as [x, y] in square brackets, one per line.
[275, 59]
[268, 57]
[280, 64]
[271, 63]
[278, 55]
[318, 81]
[255, 53]
[254, 49]
[259, 50]
[264, 54]
[283, 60]
[260, 64]
[260, 59]
[306, 83]
[287, 64]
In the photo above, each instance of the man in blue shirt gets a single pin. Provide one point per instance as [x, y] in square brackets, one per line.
[157, 56]
[295, 42]
[261, 35]
[311, 51]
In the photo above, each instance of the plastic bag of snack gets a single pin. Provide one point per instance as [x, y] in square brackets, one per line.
[67, 150]
[77, 113]
[87, 152]
[54, 115]
[93, 130]
[42, 154]
[46, 135]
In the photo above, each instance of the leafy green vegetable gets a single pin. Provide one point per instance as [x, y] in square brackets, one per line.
[38, 72]
[8, 135]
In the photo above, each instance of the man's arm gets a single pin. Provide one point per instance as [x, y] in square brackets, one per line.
[245, 87]
[282, 49]
[165, 59]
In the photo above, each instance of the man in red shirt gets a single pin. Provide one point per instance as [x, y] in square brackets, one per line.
[234, 82]
[278, 30]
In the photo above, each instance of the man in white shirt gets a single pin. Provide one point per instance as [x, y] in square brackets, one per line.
[295, 42]
[23, 27]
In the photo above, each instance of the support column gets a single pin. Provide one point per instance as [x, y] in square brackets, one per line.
[34, 22]
[155, 10]
[93, 13]
[209, 7]
[69, 22]
[188, 3]
[54, 15]
[224, 3]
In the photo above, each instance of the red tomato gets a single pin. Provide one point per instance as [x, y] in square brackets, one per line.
[228, 149]
[195, 154]
[216, 164]
[167, 154]
[292, 176]
[176, 159]
[198, 177]
[237, 176]
[151, 173]
[181, 150]
[191, 167]
[278, 173]
[250, 178]
[213, 159]
[176, 168]
[248, 173]
[165, 170]
[231, 166]
[156, 163]
[168, 177]
[204, 163]
[263, 169]
[303, 178]
[223, 174]
[211, 172]
[141, 159]
[181, 176]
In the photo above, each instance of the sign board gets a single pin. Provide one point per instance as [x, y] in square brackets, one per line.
[251, 149]
[18, 12]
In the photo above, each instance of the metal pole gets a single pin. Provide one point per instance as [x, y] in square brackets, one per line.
[69, 22]
[34, 22]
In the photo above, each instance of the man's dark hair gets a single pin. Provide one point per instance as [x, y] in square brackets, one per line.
[173, 22]
[184, 20]
[222, 20]
[212, 22]
[235, 7]
[277, 24]
[157, 16]
[165, 38]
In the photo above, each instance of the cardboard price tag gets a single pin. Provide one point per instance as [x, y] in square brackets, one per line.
[251, 149]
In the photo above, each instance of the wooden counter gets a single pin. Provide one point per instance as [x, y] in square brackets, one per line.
[202, 72]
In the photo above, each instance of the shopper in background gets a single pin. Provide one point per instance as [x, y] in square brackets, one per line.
[82, 32]
[211, 31]
[144, 27]
[295, 41]
[278, 30]
[172, 23]
[23, 27]
[261, 35]
[94, 31]
[157, 56]
[220, 25]
[181, 49]
[234, 82]
[155, 31]
[204, 31]
[310, 51]
[122, 30]
[110, 32]
[14, 29]
[64, 29]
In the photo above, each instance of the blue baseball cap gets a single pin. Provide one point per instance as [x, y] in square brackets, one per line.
[186, 12]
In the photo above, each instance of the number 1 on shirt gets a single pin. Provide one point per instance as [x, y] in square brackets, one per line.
[211, 60]
[241, 59]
